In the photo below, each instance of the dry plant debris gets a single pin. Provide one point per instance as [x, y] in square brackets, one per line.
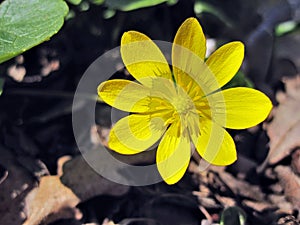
[284, 129]
[56, 197]
[290, 183]
[51, 197]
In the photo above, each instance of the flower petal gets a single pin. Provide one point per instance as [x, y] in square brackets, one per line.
[191, 37]
[143, 58]
[136, 133]
[188, 52]
[173, 154]
[213, 142]
[242, 107]
[226, 61]
[125, 95]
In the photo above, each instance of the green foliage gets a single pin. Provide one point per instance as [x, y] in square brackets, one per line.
[84, 6]
[239, 80]
[233, 216]
[112, 6]
[203, 7]
[27, 23]
[285, 27]
[2, 81]
[109, 13]
[128, 5]
[75, 2]
[97, 2]
[172, 2]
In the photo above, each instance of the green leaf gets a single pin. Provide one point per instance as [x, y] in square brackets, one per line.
[75, 2]
[285, 27]
[97, 2]
[203, 7]
[172, 2]
[233, 216]
[2, 81]
[27, 23]
[109, 13]
[84, 6]
[239, 80]
[128, 5]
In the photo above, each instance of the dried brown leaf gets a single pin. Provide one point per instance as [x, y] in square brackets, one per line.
[259, 206]
[296, 161]
[60, 163]
[108, 222]
[57, 196]
[86, 183]
[284, 129]
[281, 202]
[209, 203]
[51, 197]
[290, 183]
[288, 220]
[226, 201]
[242, 188]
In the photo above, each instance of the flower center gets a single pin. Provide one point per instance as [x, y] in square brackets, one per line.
[182, 105]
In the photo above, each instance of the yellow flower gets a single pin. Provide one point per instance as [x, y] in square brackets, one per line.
[182, 106]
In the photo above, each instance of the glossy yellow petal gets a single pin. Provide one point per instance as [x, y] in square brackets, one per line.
[143, 58]
[136, 133]
[188, 52]
[191, 37]
[242, 107]
[173, 154]
[212, 142]
[226, 61]
[125, 95]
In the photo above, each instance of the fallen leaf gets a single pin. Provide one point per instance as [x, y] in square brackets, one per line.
[17, 73]
[290, 183]
[57, 196]
[207, 222]
[209, 203]
[86, 183]
[259, 206]
[242, 188]
[284, 129]
[60, 162]
[99, 135]
[225, 201]
[288, 220]
[108, 222]
[296, 161]
[281, 202]
[49, 198]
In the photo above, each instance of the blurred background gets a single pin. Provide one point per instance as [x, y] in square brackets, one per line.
[37, 141]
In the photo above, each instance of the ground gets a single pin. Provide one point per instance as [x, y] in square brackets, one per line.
[44, 178]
